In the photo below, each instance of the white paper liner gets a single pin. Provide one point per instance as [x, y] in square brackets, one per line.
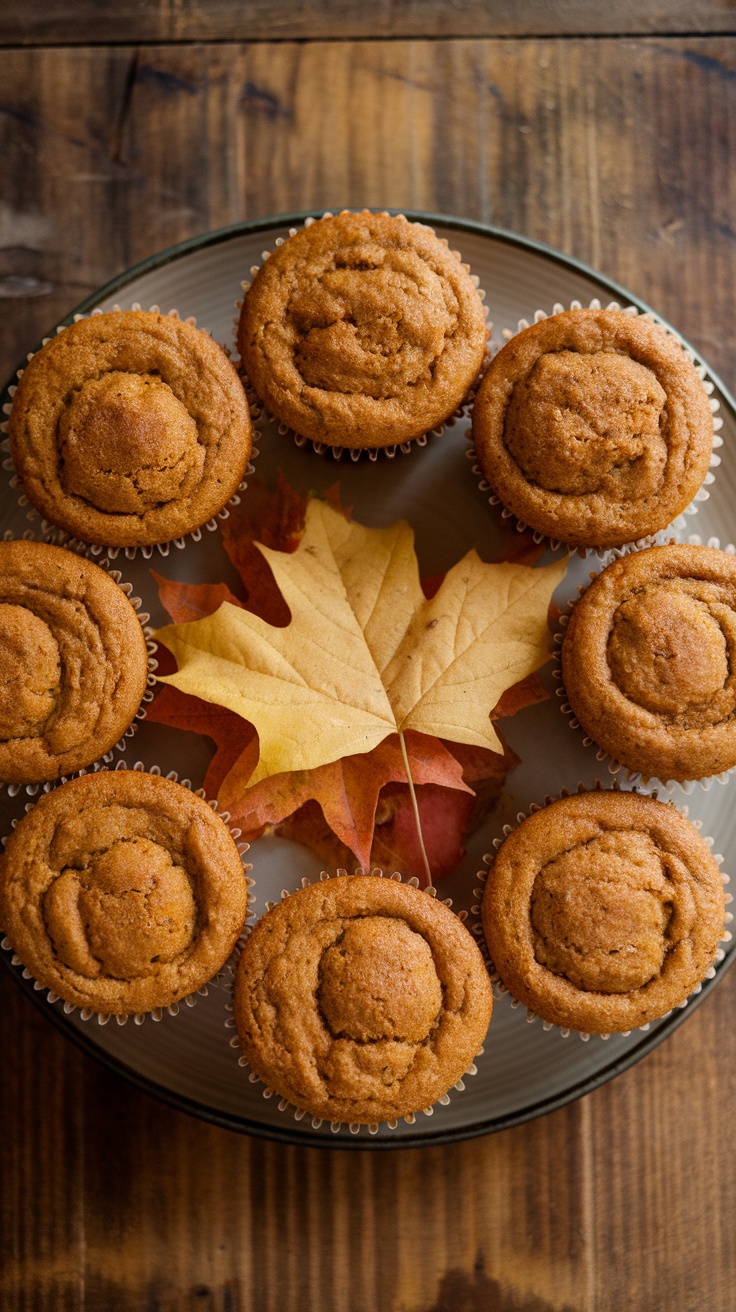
[298, 1113]
[355, 453]
[680, 523]
[615, 767]
[223, 977]
[143, 617]
[58, 536]
[476, 925]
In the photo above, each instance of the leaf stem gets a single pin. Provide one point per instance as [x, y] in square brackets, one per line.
[420, 835]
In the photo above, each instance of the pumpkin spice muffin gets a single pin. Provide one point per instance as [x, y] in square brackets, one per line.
[603, 911]
[73, 662]
[361, 999]
[122, 892]
[593, 427]
[649, 661]
[362, 331]
[130, 428]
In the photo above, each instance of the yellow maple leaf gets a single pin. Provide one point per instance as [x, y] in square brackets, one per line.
[365, 654]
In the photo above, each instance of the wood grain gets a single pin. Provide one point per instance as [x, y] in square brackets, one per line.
[619, 152]
[82, 22]
[110, 1201]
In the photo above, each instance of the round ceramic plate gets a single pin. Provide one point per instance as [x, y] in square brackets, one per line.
[524, 1071]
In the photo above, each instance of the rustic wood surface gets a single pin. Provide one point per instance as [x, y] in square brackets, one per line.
[81, 22]
[620, 152]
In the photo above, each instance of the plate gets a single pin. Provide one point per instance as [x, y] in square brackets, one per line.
[524, 1071]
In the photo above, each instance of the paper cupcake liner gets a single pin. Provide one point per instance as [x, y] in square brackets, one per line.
[476, 926]
[298, 1113]
[680, 523]
[615, 768]
[224, 976]
[59, 537]
[355, 453]
[108, 757]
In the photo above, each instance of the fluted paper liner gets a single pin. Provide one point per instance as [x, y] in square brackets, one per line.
[59, 537]
[224, 976]
[284, 1105]
[258, 407]
[151, 647]
[615, 768]
[680, 523]
[476, 925]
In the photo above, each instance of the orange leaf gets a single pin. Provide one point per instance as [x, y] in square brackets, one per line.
[347, 790]
[479, 765]
[272, 516]
[447, 816]
[275, 518]
[192, 601]
[233, 737]
[519, 548]
[445, 820]
[527, 692]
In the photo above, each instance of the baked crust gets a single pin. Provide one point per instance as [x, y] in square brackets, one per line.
[130, 428]
[603, 911]
[593, 427]
[649, 661]
[73, 662]
[361, 999]
[362, 330]
[122, 892]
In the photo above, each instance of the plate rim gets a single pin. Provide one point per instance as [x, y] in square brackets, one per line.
[305, 1136]
[309, 1138]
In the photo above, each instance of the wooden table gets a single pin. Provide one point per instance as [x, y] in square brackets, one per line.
[129, 127]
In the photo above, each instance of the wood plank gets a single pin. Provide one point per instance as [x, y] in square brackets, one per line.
[81, 22]
[42, 1198]
[624, 1200]
[617, 152]
[620, 153]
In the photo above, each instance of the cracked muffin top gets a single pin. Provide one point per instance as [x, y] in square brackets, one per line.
[593, 427]
[361, 999]
[122, 892]
[73, 662]
[603, 911]
[130, 428]
[649, 661]
[362, 331]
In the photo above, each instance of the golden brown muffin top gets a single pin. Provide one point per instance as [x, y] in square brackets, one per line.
[130, 428]
[603, 911]
[73, 662]
[361, 999]
[122, 892]
[593, 427]
[362, 330]
[649, 661]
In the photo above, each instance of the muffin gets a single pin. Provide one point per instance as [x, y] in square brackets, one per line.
[73, 662]
[649, 661]
[130, 428]
[593, 427]
[122, 892]
[362, 331]
[603, 911]
[361, 999]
